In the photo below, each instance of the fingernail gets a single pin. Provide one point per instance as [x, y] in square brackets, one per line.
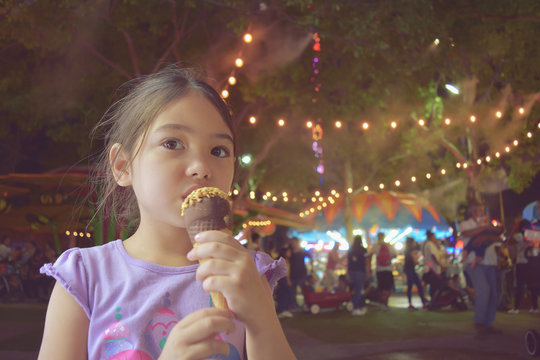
[189, 255]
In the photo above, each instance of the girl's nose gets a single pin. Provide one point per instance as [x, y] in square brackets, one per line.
[199, 169]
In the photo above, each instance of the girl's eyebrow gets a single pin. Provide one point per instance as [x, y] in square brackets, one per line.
[189, 130]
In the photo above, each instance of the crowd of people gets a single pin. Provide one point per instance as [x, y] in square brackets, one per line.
[490, 274]
[20, 279]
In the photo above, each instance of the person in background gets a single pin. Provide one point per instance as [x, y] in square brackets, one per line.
[476, 222]
[342, 284]
[5, 248]
[357, 270]
[253, 244]
[333, 260]
[409, 268]
[384, 253]
[283, 292]
[299, 271]
[520, 267]
[484, 281]
[433, 270]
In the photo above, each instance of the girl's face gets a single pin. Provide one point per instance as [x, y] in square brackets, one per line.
[187, 146]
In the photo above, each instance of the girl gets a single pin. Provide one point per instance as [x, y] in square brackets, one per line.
[147, 297]
[411, 259]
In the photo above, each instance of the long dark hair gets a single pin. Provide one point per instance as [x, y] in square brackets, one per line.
[409, 244]
[357, 246]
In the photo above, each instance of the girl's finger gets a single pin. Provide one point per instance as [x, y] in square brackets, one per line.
[201, 314]
[216, 249]
[206, 349]
[207, 328]
[213, 267]
[217, 236]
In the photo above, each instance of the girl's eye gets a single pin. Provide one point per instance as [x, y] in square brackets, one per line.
[173, 144]
[220, 151]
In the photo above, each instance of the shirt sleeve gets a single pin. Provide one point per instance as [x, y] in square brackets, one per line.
[273, 269]
[69, 271]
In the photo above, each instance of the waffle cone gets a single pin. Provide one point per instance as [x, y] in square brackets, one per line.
[208, 209]
[218, 299]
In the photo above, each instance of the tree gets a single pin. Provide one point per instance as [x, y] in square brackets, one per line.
[379, 62]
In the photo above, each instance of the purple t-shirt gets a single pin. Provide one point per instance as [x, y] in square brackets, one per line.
[133, 305]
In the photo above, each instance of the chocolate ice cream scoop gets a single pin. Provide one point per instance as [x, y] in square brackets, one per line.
[207, 208]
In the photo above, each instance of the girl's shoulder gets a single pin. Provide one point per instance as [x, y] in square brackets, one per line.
[98, 252]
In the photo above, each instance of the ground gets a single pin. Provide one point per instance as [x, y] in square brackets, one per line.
[397, 334]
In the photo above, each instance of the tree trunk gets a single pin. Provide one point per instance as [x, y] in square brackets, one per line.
[347, 210]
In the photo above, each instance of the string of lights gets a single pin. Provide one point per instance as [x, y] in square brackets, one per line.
[317, 133]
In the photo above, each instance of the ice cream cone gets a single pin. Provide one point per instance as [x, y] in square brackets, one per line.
[203, 210]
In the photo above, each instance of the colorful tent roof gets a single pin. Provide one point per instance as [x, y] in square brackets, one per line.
[385, 208]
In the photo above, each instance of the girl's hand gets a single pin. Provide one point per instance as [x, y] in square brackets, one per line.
[230, 269]
[194, 337]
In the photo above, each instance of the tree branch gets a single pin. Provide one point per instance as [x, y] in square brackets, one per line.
[176, 39]
[132, 54]
[491, 83]
[257, 159]
[107, 62]
[517, 17]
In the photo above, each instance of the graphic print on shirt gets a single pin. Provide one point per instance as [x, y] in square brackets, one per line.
[384, 258]
[116, 344]
[233, 351]
[159, 328]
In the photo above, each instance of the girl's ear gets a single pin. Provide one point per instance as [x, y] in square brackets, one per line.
[119, 161]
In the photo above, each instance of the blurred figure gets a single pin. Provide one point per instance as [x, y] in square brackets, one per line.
[284, 291]
[483, 276]
[409, 268]
[475, 223]
[433, 265]
[357, 270]
[342, 284]
[520, 267]
[330, 279]
[5, 248]
[253, 244]
[298, 267]
[384, 253]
